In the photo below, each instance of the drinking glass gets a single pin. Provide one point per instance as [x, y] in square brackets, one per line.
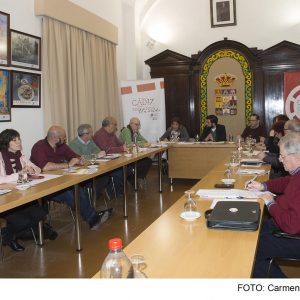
[139, 264]
[197, 138]
[227, 173]
[93, 158]
[190, 205]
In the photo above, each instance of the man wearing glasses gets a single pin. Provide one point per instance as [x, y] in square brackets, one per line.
[255, 130]
[131, 135]
[284, 209]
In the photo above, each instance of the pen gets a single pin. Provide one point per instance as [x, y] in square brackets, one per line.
[251, 180]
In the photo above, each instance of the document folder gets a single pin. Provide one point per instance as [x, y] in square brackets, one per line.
[235, 215]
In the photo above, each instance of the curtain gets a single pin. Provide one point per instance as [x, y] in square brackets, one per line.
[80, 82]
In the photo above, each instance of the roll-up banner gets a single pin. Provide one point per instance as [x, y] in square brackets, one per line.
[145, 99]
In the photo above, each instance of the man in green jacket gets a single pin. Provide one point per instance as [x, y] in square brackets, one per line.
[130, 135]
[84, 145]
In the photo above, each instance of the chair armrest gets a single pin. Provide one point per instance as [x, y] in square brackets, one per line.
[281, 234]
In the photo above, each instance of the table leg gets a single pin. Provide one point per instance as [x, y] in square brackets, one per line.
[77, 216]
[40, 228]
[159, 171]
[135, 176]
[41, 233]
[125, 191]
[94, 197]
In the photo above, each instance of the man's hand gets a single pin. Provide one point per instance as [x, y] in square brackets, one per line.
[209, 138]
[76, 161]
[267, 197]
[261, 155]
[101, 153]
[254, 186]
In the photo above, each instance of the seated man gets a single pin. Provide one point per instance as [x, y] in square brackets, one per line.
[284, 210]
[106, 139]
[130, 135]
[52, 153]
[255, 130]
[83, 144]
[213, 131]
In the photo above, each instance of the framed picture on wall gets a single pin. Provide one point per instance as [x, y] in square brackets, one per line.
[5, 99]
[25, 89]
[25, 50]
[4, 38]
[222, 13]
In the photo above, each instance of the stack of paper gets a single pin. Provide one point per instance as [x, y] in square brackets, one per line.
[228, 194]
[250, 172]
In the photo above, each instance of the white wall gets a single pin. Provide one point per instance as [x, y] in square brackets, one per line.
[184, 26]
[28, 121]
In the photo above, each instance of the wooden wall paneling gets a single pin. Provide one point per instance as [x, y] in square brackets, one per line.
[274, 61]
[181, 75]
[175, 69]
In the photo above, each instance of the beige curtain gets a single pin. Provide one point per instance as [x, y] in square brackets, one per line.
[79, 77]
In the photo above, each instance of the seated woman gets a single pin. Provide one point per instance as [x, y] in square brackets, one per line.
[175, 131]
[12, 161]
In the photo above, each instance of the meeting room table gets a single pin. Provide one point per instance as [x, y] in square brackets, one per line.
[17, 198]
[176, 248]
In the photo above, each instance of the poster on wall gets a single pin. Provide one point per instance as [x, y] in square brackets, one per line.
[4, 37]
[26, 89]
[145, 99]
[292, 94]
[225, 96]
[5, 112]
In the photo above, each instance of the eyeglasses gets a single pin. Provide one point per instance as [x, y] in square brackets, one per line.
[284, 156]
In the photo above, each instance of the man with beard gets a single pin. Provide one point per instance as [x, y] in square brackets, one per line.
[213, 131]
[52, 153]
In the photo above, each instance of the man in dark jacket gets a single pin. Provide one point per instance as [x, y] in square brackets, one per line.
[213, 131]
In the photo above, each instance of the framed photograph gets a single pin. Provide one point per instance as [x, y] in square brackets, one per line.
[25, 50]
[222, 13]
[5, 97]
[4, 38]
[25, 89]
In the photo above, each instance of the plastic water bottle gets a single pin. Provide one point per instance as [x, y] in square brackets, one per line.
[116, 263]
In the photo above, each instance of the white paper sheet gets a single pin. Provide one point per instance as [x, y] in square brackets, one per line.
[228, 194]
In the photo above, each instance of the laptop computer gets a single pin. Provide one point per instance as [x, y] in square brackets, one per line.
[235, 215]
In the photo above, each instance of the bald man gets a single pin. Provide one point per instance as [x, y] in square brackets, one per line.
[52, 153]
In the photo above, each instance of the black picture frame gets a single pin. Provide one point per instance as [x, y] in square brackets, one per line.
[25, 50]
[5, 96]
[222, 13]
[25, 89]
[4, 38]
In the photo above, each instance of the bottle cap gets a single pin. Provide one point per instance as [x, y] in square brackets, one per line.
[115, 244]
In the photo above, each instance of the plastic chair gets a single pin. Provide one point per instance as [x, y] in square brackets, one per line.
[278, 260]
